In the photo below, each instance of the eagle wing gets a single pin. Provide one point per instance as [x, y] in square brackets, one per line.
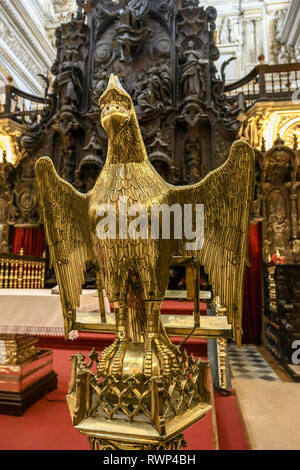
[227, 195]
[65, 216]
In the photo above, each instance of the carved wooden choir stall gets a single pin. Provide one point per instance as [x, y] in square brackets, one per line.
[278, 204]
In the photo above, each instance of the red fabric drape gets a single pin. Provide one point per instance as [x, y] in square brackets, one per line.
[252, 308]
[31, 239]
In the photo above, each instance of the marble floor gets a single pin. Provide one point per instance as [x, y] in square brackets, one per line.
[269, 401]
[248, 363]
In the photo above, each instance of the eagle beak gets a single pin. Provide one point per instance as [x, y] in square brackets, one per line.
[115, 104]
[113, 119]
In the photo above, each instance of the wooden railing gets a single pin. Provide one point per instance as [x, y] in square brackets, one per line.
[272, 82]
[22, 272]
[18, 105]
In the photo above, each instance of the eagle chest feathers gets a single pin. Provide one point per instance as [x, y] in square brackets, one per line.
[124, 188]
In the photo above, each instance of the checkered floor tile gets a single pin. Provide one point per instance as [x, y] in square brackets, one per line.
[248, 363]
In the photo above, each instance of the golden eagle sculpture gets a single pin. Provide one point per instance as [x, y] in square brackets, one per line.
[135, 270]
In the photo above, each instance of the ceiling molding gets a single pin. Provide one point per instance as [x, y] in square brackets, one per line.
[36, 37]
[14, 67]
[291, 27]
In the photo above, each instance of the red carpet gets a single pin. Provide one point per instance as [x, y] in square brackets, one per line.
[181, 307]
[232, 434]
[178, 307]
[47, 425]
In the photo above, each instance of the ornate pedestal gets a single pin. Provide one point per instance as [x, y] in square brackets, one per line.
[131, 413]
[25, 373]
[99, 443]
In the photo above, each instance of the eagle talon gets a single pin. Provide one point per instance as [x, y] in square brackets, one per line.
[117, 362]
[148, 357]
[167, 358]
[106, 355]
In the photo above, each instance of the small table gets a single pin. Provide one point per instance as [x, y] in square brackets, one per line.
[37, 311]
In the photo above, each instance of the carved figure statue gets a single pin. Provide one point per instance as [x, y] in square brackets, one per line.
[69, 80]
[155, 87]
[193, 76]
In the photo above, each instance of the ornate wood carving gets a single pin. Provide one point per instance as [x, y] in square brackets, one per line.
[5, 202]
[282, 312]
[23, 209]
[277, 201]
[164, 54]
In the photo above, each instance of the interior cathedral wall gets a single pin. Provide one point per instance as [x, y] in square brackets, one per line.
[27, 36]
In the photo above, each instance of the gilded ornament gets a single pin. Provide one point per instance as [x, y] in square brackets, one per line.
[142, 376]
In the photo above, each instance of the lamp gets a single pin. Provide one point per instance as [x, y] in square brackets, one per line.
[7, 149]
[10, 127]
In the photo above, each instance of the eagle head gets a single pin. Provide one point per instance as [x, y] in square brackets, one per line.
[116, 108]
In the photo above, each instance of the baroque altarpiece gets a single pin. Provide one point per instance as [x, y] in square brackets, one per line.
[277, 208]
[278, 202]
[164, 54]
